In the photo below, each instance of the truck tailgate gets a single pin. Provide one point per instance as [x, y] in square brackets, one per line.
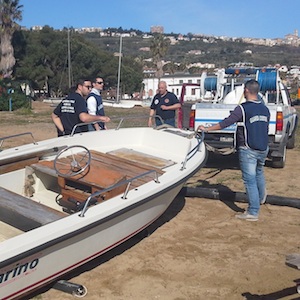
[208, 114]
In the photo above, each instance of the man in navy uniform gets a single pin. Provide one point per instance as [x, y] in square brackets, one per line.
[252, 118]
[164, 104]
[73, 110]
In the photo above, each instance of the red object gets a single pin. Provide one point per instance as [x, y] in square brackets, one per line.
[192, 119]
[181, 100]
[279, 121]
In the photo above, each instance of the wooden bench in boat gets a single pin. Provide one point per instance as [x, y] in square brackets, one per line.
[23, 213]
[21, 161]
[105, 171]
[132, 163]
[7, 231]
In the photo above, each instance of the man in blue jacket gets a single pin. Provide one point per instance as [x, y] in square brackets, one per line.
[73, 111]
[94, 103]
[252, 118]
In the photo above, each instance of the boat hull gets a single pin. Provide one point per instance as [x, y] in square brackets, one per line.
[79, 247]
[43, 255]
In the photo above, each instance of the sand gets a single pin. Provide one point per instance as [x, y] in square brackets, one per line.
[197, 249]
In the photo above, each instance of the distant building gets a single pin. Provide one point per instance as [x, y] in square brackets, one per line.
[202, 65]
[36, 28]
[292, 39]
[89, 29]
[157, 29]
[174, 83]
[146, 49]
[195, 52]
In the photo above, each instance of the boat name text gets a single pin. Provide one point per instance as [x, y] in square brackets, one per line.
[18, 270]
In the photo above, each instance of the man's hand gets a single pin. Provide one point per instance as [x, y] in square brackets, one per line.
[150, 122]
[104, 119]
[201, 128]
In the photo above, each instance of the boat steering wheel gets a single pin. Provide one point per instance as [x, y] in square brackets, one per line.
[72, 161]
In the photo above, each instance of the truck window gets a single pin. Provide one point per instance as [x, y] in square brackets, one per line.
[272, 97]
[288, 96]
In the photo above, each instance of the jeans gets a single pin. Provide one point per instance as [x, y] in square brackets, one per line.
[170, 122]
[252, 164]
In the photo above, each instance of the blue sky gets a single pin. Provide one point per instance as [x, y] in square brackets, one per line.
[232, 18]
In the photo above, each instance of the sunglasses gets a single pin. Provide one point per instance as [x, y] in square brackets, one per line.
[99, 82]
[87, 86]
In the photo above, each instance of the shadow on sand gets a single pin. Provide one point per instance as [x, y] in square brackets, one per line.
[227, 162]
[171, 212]
[276, 295]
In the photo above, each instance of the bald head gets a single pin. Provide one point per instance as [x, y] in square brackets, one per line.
[162, 87]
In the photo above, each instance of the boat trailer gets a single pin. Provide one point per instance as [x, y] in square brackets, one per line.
[74, 289]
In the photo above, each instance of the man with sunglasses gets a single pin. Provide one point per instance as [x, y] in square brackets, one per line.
[95, 104]
[73, 110]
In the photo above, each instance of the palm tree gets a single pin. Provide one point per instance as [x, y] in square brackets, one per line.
[170, 68]
[10, 11]
[159, 47]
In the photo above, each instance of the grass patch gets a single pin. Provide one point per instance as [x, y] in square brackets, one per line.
[24, 111]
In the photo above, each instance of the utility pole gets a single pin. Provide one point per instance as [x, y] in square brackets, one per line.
[119, 70]
[69, 59]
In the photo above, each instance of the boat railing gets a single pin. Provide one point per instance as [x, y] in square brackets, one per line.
[2, 139]
[192, 152]
[122, 119]
[120, 122]
[126, 182]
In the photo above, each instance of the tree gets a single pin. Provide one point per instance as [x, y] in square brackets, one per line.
[170, 68]
[10, 11]
[159, 46]
[42, 61]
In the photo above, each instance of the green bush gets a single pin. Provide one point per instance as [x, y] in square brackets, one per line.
[11, 96]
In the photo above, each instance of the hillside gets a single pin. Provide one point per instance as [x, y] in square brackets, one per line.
[213, 50]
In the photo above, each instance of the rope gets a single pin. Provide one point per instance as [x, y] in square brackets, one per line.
[267, 81]
[223, 151]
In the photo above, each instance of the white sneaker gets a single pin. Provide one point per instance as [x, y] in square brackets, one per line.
[247, 217]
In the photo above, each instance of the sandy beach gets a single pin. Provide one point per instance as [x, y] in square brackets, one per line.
[197, 249]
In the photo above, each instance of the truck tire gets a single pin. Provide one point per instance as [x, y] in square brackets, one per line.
[279, 162]
[291, 141]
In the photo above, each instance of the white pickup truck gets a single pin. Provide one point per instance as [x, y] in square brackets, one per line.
[283, 120]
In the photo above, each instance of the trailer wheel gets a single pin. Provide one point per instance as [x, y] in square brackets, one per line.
[291, 141]
[80, 292]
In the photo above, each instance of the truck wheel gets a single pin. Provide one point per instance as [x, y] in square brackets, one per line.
[279, 162]
[291, 141]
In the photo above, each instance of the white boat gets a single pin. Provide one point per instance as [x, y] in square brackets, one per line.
[65, 201]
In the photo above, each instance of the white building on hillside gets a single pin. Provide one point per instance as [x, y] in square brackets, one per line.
[174, 83]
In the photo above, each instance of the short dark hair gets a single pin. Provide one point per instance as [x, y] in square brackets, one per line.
[81, 82]
[253, 86]
[95, 79]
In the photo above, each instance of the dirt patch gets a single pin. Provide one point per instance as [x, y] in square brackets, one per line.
[197, 249]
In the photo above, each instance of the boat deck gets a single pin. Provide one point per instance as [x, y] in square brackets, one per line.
[7, 231]
[106, 170]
